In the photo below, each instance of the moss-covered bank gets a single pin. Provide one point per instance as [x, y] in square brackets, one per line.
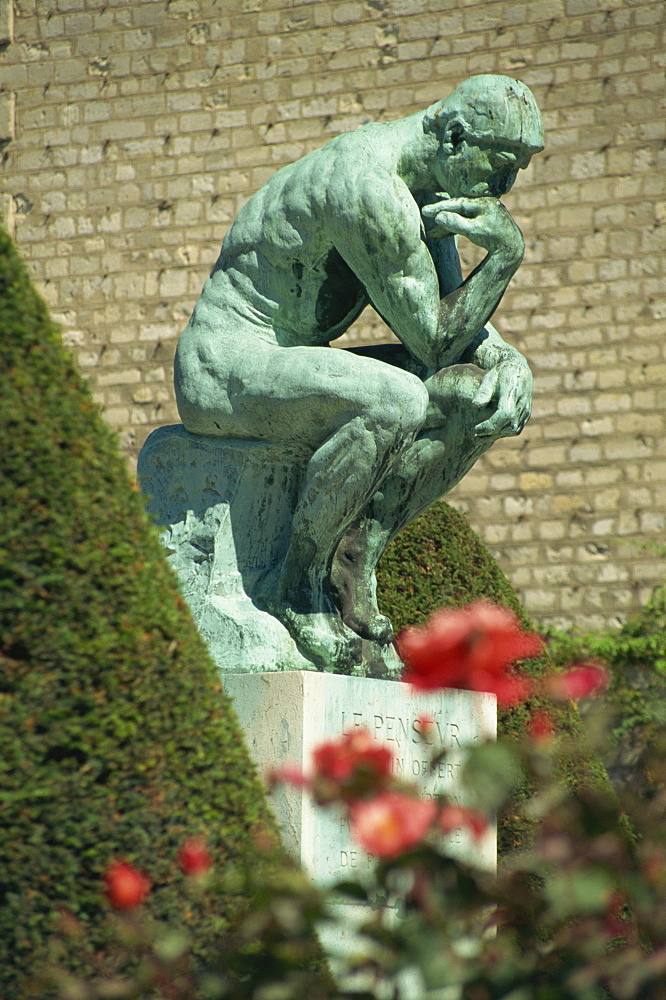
[115, 737]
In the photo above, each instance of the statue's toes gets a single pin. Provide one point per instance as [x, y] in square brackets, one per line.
[324, 640]
[376, 627]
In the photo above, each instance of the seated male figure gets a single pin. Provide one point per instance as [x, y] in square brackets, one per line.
[370, 217]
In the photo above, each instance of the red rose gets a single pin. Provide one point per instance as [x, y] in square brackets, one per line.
[582, 680]
[469, 648]
[194, 857]
[452, 817]
[126, 887]
[391, 822]
[541, 726]
[353, 766]
[349, 767]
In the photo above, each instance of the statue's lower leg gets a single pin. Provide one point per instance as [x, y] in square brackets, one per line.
[426, 472]
[340, 479]
[299, 598]
[353, 582]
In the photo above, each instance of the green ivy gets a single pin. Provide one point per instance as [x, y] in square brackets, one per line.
[636, 655]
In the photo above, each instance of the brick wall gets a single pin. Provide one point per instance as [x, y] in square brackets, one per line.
[131, 131]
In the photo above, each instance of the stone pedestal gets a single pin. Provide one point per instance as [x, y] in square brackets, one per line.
[226, 508]
[284, 716]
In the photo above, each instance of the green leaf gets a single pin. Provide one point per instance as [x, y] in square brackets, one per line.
[588, 890]
[351, 889]
[492, 772]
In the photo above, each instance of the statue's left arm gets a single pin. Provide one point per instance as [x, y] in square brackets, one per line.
[509, 381]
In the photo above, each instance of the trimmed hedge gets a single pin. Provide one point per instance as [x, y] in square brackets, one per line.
[116, 739]
[439, 561]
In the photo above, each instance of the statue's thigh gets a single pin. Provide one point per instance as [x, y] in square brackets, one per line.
[305, 394]
[246, 387]
[331, 387]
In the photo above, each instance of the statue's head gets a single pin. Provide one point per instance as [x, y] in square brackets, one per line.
[490, 108]
[485, 114]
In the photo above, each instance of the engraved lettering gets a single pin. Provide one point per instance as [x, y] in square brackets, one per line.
[379, 722]
[454, 727]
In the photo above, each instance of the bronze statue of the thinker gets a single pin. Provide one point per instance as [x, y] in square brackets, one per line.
[371, 217]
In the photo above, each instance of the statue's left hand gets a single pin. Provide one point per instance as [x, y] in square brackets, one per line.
[509, 384]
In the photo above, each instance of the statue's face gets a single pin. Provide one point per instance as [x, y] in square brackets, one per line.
[467, 168]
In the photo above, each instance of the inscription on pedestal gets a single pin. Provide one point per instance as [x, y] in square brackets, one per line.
[285, 715]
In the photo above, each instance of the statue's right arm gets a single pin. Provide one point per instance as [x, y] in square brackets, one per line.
[378, 233]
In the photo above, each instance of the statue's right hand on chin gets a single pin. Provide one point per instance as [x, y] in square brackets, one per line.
[484, 221]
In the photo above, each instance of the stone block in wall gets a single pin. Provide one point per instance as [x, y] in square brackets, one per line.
[8, 213]
[7, 117]
[6, 22]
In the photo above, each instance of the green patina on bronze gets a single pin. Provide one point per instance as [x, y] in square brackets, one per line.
[115, 737]
[371, 217]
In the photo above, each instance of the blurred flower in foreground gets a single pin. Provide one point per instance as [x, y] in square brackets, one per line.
[470, 648]
[541, 726]
[288, 774]
[355, 750]
[352, 766]
[425, 724]
[582, 680]
[391, 822]
[126, 887]
[452, 817]
[194, 857]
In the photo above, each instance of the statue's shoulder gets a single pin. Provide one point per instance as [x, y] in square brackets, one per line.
[360, 183]
[370, 206]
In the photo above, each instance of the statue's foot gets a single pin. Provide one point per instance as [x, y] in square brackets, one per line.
[324, 639]
[319, 634]
[357, 605]
[375, 627]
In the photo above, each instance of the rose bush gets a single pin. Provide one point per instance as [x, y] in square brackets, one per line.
[580, 914]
